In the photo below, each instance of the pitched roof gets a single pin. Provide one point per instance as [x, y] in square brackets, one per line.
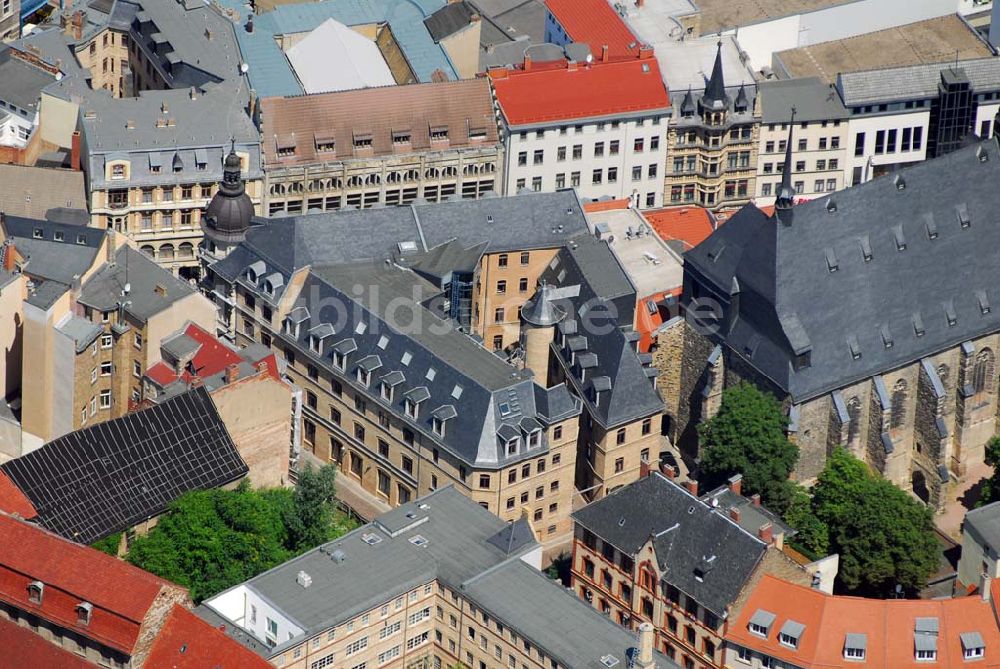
[685, 532]
[120, 593]
[24, 648]
[806, 286]
[984, 525]
[187, 642]
[595, 23]
[55, 251]
[103, 479]
[813, 100]
[888, 627]
[689, 226]
[33, 191]
[464, 109]
[360, 63]
[152, 288]
[914, 82]
[13, 501]
[543, 95]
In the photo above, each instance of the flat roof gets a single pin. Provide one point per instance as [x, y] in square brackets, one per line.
[719, 15]
[647, 260]
[938, 40]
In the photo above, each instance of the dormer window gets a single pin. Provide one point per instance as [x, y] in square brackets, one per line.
[791, 633]
[362, 140]
[385, 390]
[925, 636]
[534, 439]
[511, 446]
[38, 233]
[364, 377]
[410, 407]
[973, 647]
[855, 646]
[339, 360]
[439, 133]
[285, 146]
[118, 171]
[325, 144]
[83, 613]
[438, 426]
[760, 623]
[401, 136]
[36, 590]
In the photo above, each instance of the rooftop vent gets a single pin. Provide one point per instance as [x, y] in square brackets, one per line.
[900, 182]
[418, 540]
[370, 538]
[609, 661]
[338, 556]
[831, 206]
[303, 579]
[982, 155]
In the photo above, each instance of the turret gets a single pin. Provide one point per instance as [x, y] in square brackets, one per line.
[539, 317]
[228, 215]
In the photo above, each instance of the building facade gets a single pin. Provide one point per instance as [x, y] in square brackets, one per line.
[380, 146]
[567, 125]
[712, 144]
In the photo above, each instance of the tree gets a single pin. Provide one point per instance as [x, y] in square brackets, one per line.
[747, 436]
[884, 536]
[109, 544]
[812, 536]
[989, 488]
[210, 540]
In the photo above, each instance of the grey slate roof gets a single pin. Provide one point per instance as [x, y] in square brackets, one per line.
[449, 19]
[21, 83]
[813, 100]
[752, 517]
[790, 301]
[107, 478]
[914, 82]
[55, 251]
[464, 550]
[82, 331]
[984, 525]
[685, 532]
[153, 288]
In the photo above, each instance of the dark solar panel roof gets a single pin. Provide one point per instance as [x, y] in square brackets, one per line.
[104, 479]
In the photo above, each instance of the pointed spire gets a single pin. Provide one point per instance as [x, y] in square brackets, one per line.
[715, 97]
[786, 194]
[742, 102]
[687, 105]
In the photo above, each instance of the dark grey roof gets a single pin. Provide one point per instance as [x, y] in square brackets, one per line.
[82, 331]
[448, 20]
[971, 640]
[21, 83]
[55, 251]
[715, 96]
[685, 532]
[153, 288]
[813, 100]
[806, 287]
[915, 82]
[984, 525]
[541, 309]
[464, 547]
[104, 479]
[179, 346]
[752, 516]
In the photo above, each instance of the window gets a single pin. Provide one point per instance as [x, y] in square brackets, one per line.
[498, 315]
[636, 172]
[561, 154]
[105, 399]
[536, 184]
[522, 158]
[651, 171]
[880, 142]
[539, 157]
[918, 138]
[484, 480]
[356, 646]
[637, 145]
[574, 179]
[612, 175]
[620, 437]
[36, 590]
[597, 177]
[598, 149]
[325, 661]
[619, 465]
[105, 369]
[501, 287]
[577, 151]
[106, 341]
[613, 147]
[859, 144]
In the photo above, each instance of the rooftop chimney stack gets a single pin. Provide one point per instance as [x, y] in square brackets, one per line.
[734, 514]
[736, 484]
[766, 533]
[755, 498]
[646, 638]
[232, 373]
[984, 586]
[527, 62]
[604, 53]
[691, 487]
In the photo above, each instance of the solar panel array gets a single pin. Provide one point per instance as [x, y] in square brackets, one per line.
[107, 478]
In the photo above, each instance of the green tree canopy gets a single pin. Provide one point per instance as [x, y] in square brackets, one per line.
[989, 488]
[210, 540]
[884, 536]
[747, 436]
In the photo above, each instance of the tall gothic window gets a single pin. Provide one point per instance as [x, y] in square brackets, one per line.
[853, 419]
[982, 372]
[898, 412]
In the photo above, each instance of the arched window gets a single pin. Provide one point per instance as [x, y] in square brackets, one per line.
[185, 250]
[982, 372]
[853, 419]
[167, 251]
[148, 250]
[898, 412]
[944, 375]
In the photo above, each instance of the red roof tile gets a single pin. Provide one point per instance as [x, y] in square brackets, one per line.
[888, 624]
[646, 323]
[23, 649]
[212, 358]
[555, 93]
[188, 642]
[690, 225]
[120, 593]
[595, 23]
[13, 501]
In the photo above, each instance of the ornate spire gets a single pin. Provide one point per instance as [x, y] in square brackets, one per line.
[715, 97]
[687, 105]
[742, 102]
[786, 194]
[228, 215]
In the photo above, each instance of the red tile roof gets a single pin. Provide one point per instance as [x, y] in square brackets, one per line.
[120, 593]
[595, 23]
[690, 225]
[188, 642]
[555, 93]
[888, 624]
[646, 323]
[213, 357]
[23, 649]
[13, 501]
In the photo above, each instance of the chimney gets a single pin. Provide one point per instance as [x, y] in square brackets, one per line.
[74, 152]
[755, 498]
[640, 3]
[984, 586]
[249, 24]
[646, 638]
[645, 52]
[232, 372]
[691, 487]
[571, 65]
[77, 24]
[196, 382]
[9, 255]
[112, 246]
[736, 484]
[766, 533]
[734, 514]
[604, 53]
[644, 469]
[527, 62]
[669, 472]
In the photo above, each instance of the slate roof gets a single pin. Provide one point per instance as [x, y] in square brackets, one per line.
[685, 532]
[448, 20]
[107, 478]
[813, 100]
[271, 75]
[461, 552]
[55, 251]
[806, 287]
[35, 191]
[153, 288]
[21, 83]
[914, 82]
